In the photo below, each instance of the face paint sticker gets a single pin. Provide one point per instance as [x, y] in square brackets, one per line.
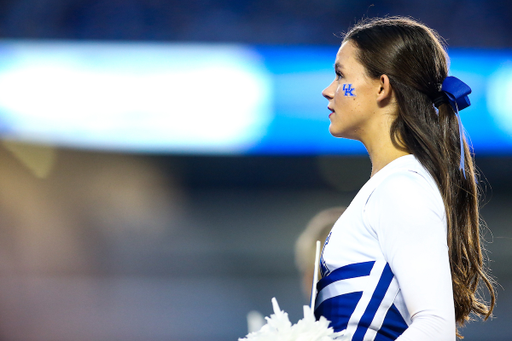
[349, 90]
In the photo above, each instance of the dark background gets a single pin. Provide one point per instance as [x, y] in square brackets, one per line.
[181, 247]
[466, 23]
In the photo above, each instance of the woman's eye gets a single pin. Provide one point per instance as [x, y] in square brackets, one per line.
[338, 75]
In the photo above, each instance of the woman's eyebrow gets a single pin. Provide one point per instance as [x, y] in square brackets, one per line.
[338, 66]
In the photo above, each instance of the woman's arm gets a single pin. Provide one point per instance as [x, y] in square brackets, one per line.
[407, 215]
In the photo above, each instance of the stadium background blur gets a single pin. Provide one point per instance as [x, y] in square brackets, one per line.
[107, 245]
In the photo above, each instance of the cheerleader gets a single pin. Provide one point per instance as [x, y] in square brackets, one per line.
[404, 261]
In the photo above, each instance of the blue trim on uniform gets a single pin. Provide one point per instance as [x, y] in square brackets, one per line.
[324, 270]
[346, 272]
[374, 304]
[338, 309]
[394, 325]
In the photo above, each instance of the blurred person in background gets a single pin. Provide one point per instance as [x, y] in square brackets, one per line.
[318, 228]
[404, 260]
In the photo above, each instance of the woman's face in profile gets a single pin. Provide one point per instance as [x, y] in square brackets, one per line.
[352, 96]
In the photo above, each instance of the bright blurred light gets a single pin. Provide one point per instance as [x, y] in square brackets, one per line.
[144, 97]
[499, 94]
[226, 99]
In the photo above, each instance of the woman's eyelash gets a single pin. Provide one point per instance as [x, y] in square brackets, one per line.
[338, 74]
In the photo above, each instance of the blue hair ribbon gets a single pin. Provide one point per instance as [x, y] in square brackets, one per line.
[457, 93]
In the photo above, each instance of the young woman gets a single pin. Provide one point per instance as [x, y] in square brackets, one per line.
[404, 260]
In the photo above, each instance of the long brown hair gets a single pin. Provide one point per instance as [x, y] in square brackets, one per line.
[413, 57]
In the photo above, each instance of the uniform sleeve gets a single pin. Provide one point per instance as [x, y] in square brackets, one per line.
[407, 216]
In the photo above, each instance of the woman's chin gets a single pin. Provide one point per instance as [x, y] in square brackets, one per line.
[335, 132]
[343, 134]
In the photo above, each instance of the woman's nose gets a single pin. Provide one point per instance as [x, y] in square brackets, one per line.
[327, 92]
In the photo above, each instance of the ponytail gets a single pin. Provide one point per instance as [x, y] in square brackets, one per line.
[460, 195]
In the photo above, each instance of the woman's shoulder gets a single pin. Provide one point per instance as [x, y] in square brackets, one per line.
[406, 191]
[407, 181]
[406, 172]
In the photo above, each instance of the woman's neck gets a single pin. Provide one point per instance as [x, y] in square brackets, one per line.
[377, 136]
[382, 153]
[380, 161]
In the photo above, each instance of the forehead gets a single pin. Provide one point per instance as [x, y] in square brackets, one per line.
[346, 54]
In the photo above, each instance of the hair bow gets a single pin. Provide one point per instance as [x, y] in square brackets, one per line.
[457, 92]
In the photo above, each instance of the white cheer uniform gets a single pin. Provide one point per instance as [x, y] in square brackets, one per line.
[385, 266]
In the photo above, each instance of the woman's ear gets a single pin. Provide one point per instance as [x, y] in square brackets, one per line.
[385, 92]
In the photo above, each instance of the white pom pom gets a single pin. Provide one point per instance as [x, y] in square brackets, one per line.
[275, 306]
[279, 328]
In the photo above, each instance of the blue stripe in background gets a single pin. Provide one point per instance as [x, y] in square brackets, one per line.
[289, 116]
[300, 123]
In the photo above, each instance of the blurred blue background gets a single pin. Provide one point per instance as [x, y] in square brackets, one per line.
[207, 98]
[159, 159]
